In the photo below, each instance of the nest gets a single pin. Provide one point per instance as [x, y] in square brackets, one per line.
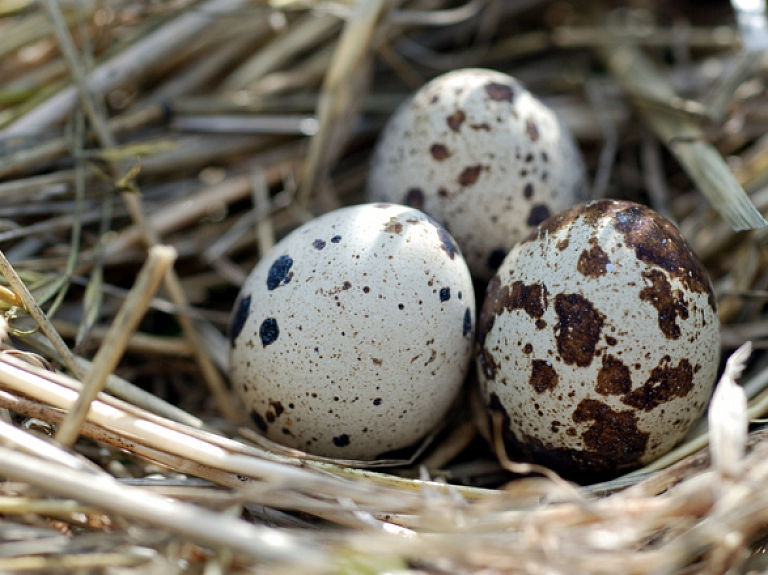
[151, 152]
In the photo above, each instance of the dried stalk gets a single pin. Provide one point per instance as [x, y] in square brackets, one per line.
[159, 261]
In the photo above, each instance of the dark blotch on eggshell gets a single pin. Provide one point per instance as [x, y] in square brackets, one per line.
[528, 191]
[532, 130]
[414, 197]
[280, 272]
[439, 152]
[466, 324]
[531, 298]
[613, 378]
[613, 435]
[268, 331]
[593, 262]
[446, 241]
[445, 294]
[487, 363]
[538, 214]
[341, 440]
[499, 92]
[657, 241]
[318, 244]
[455, 120]
[242, 311]
[667, 382]
[469, 175]
[543, 376]
[258, 420]
[578, 329]
[669, 304]
[335, 239]
[614, 442]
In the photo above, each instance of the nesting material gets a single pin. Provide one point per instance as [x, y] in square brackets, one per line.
[218, 127]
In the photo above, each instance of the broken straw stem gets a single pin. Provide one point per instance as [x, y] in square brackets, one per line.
[160, 259]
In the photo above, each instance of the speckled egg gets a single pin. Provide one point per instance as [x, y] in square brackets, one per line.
[478, 152]
[598, 341]
[353, 336]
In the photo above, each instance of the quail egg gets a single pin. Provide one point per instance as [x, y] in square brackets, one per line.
[598, 340]
[478, 152]
[353, 336]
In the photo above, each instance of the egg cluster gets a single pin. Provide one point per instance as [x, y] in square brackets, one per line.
[597, 342]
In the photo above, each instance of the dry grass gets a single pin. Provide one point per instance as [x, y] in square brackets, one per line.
[134, 134]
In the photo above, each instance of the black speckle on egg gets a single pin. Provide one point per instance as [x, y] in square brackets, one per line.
[341, 440]
[280, 272]
[238, 321]
[467, 326]
[446, 241]
[377, 401]
[318, 244]
[538, 214]
[335, 239]
[445, 294]
[268, 331]
[258, 420]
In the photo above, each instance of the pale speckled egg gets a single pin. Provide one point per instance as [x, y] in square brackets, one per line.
[479, 153]
[353, 336]
[598, 341]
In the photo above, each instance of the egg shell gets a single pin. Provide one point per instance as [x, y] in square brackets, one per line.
[478, 152]
[598, 341]
[353, 336]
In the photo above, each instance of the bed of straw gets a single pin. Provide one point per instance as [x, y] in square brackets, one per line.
[152, 150]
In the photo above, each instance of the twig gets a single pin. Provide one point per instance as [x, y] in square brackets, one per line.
[684, 138]
[39, 316]
[201, 525]
[131, 64]
[159, 261]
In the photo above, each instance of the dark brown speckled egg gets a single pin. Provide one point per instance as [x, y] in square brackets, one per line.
[353, 336]
[479, 153]
[598, 341]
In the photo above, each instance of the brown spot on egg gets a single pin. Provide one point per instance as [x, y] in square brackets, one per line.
[613, 378]
[528, 191]
[578, 329]
[657, 241]
[613, 435]
[527, 349]
[532, 130]
[614, 443]
[538, 214]
[543, 376]
[484, 126]
[455, 120]
[469, 175]
[531, 298]
[276, 407]
[414, 197]
[555, 224]
[258, 420]
[666, 383]
[393, 226]
[439, 152]
[593, 262]
[499, 92]
[487, 363]
[669, 304]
